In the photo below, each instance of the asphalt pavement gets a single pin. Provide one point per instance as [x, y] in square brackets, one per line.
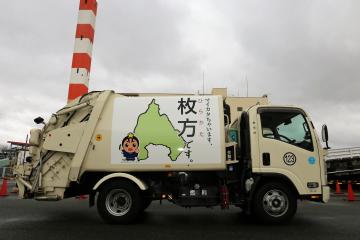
[73, 219]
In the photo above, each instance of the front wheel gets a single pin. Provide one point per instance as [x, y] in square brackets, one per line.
[274, 203]
[119, 202]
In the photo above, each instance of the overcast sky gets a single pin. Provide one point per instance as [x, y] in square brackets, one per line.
[301, 52]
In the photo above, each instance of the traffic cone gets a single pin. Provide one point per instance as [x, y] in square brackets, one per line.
[3, 190]
[81, 197]
[338, 190]
[351, 195]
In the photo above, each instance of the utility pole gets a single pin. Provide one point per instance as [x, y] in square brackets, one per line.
[247, 86]
[203, 82]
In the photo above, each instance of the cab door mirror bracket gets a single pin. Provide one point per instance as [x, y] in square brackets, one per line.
[325, 135]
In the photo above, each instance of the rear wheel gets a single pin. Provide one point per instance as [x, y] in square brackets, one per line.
[146, 203]
[119, 202]
[274, 203]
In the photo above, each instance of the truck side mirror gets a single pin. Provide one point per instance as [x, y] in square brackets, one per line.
[325, 135]
[39, 120]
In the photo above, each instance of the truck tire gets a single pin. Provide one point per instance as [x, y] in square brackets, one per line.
[119, 202]
[146, 203]
[274, 203]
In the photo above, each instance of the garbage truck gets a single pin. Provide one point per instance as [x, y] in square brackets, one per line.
[127, 150]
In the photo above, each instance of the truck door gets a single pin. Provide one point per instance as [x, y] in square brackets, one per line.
[286, 145]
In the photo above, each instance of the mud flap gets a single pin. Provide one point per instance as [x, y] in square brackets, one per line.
[92, 199]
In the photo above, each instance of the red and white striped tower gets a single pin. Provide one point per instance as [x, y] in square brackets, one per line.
[84, 38]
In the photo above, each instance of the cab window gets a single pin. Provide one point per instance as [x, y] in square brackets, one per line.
[287, 126]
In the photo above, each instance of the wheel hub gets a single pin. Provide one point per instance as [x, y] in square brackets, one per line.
[275, 203]
[118, 202]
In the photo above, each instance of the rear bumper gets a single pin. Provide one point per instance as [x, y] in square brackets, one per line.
[325, 194]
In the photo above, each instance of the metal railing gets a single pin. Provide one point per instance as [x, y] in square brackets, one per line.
[6, 172]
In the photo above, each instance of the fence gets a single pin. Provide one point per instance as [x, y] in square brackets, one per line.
[6, 172]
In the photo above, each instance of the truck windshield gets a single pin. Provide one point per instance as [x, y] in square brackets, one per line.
[290, 127]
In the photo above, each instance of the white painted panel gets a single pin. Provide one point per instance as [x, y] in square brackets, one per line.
[79, 75]
[87, 17]
[83, 46]
[158, 124]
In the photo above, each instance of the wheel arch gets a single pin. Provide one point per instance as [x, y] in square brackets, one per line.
[140, 183]
[274, 177]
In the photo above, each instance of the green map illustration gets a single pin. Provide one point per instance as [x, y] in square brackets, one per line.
[156, 129]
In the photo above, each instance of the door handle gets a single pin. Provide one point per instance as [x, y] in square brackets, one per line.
[266, 159]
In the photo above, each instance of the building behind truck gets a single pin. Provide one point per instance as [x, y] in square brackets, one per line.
[11, 156]
[126, 151]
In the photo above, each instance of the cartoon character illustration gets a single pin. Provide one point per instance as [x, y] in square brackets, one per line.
[130, 147]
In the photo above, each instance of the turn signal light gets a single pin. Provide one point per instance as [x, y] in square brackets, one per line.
[312, 185]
